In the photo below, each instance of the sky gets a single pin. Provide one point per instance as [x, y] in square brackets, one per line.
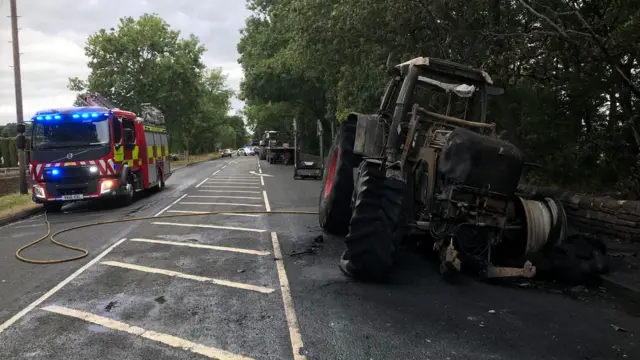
[53, 35]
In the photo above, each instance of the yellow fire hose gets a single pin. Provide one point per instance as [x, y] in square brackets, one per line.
[85, 252]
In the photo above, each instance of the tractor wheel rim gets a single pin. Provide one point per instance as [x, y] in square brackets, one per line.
[331, 172]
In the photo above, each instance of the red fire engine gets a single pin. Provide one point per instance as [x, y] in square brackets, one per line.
[96, 151]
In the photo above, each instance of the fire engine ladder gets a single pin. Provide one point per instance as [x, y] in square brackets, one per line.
[94, 99]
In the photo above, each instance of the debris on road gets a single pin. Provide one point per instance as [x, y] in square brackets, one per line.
[618, 328]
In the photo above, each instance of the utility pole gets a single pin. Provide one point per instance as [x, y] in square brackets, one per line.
[20, 139]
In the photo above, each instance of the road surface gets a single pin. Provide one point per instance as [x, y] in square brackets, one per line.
[267, 287]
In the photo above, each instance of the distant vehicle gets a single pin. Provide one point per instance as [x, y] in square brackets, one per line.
[241, 152]
[226, 153]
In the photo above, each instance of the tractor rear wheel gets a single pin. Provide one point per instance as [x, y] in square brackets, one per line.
[337, 181]
[377, 224]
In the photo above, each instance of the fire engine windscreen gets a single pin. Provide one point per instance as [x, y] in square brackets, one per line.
[69, 134]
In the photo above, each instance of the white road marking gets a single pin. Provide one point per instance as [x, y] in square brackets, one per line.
[170, 205]
[266, 200]
[225, 197]
[203, 246]
[217, 171]
[205, 212]
[234, 179]
[231, 191]
[56, 288]
[233, 284]
[27, 226]
[203, 181]
[233, 182]
[261, 174]
[218, 203]
[287, 299]
[261, 180]
[166, 339]
[231, 186]
[21, 221]
[210, 226]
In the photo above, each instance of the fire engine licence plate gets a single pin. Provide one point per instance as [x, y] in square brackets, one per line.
[73, 197]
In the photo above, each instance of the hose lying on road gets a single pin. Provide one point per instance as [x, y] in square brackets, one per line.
[85, 252]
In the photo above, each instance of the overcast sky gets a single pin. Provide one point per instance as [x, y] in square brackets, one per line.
[53, 34]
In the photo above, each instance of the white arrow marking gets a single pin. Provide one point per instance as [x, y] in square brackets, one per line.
[254, 173]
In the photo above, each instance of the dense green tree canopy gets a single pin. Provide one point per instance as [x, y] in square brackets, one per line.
[144, 61]
[569, 68]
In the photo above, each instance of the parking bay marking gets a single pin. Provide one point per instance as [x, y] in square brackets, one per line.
[233, 284]
[225, 197]
[203, 246]
[209, 226]
[206, 212]
[232, 191]
[166, 339]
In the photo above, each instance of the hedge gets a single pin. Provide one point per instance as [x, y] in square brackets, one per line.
[9, 152]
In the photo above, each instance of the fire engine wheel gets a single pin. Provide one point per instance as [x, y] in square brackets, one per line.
[128, 195]
[376, 228]
[160, 180]
[337, 182]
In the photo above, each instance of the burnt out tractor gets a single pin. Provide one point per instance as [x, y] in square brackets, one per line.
[428, 167]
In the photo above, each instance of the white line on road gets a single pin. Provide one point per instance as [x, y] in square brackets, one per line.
[287, 299]
[203, 246]
[28, 226]
[266, 200]
[56, 288]
[233, 284]
[260, 170]
[230, 182]
[203, 181]
[218, 203]
[261, 180]
[210, 226]
[21, 221]
[205, 212]
[217, 171]
[225, 197]
[231, 191]
[166, 339]
[234, 179]
[170, 205]
[231, 186]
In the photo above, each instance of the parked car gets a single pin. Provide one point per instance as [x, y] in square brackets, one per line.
[226, 153]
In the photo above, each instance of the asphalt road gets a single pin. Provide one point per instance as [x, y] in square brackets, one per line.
[266, 287]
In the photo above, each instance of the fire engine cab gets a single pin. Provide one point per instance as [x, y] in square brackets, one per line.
[96, 151]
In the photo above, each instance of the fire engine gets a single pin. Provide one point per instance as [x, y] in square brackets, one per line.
[96, 151]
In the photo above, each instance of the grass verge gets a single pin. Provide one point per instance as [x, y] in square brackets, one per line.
[13, 203]
[194, 158]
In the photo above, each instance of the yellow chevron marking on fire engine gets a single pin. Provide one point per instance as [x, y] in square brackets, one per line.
[69, 164]
[155, 129]
[135, 153]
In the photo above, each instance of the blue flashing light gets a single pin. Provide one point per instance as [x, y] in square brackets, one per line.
[55, 172]
[85, 116]
[48, 117]
[76, 116]
[57, 117]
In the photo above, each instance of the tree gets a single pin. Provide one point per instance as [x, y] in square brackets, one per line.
[570, 70]
[144, 61]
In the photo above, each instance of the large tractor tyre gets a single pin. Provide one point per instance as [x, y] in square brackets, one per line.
[337, 181]
[377, 224]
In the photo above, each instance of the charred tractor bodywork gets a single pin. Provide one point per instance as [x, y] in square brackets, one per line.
[428, 166]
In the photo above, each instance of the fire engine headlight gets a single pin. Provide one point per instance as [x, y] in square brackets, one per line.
[107, 186]
[38, 191]
[93, 169]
